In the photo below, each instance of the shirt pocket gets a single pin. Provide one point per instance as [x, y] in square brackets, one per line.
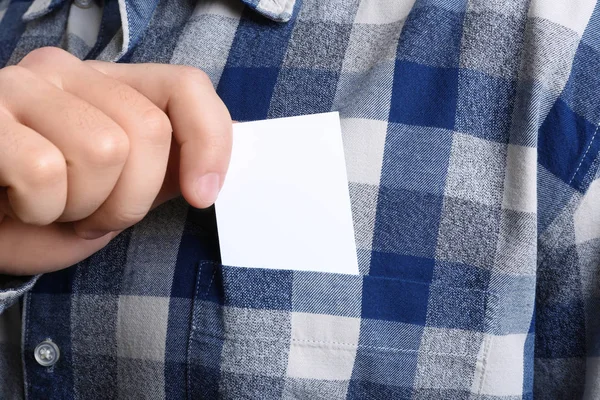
[281, 334]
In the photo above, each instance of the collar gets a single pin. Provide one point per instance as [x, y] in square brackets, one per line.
[136, 14]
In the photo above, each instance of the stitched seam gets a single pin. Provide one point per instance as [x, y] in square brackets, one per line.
[318, 343]
[486, 351]
[211, 282]
[25, 340]
[585, 154]
[189, 374]
[486, 348]
[194, 319]
[481, 304]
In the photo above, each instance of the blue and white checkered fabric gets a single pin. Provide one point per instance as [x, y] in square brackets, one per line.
[471, 138]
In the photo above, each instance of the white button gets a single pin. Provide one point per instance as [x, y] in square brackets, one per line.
[84, 3]
[46, 353]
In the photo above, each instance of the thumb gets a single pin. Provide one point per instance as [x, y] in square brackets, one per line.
[170, 188]
[202, 127]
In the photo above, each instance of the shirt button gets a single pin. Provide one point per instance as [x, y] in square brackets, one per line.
[84, 3]
[46, 353]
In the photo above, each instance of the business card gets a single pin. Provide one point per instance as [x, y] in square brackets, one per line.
[285, 202]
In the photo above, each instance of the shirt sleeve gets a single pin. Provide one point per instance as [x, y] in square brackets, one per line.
[13, 287]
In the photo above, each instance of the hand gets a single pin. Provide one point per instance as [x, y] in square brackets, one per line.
[86, 151]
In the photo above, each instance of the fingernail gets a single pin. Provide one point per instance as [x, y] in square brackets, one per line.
[91, 235]
[207, 187]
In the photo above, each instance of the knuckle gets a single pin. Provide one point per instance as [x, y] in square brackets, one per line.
[126, 218]
[156, 126]
[221, 140]
[125, 94]
[47, 168]
[45, 55]
[110, 147]
[192, 76]
[14, 74]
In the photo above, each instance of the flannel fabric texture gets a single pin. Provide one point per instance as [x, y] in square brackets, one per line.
[471, 139]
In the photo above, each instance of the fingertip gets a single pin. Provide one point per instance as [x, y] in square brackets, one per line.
[206, 189]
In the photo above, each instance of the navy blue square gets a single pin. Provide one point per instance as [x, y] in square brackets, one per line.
[558, 275]
[423, 95]
[394, 300]
[560, 317]
[50, 317]
[456, 308]
[431, 36]
[257, 288]
[176, 345]
[360, 390]
[175, 375]
[247, 91]
[103, 367]
[57, 282]
[407, 222]
[102, 273]
[392, 265]
[567, 145]
[184, 278]
[259, 42]
[302, 91]
[560, 330]
[199, 242]
[203, 382]
[11, 29]
[593, 327]
[485, 105]
[209, 284]
[252, 67]
[203, 349]
[178, 329]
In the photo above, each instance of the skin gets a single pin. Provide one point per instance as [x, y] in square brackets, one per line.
[88, 148]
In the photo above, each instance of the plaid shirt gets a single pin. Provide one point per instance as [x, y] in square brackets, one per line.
[470, 133]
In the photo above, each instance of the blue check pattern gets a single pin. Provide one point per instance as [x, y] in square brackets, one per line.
[471, 140]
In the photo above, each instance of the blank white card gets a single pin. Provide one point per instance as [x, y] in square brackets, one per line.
[285, 201]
